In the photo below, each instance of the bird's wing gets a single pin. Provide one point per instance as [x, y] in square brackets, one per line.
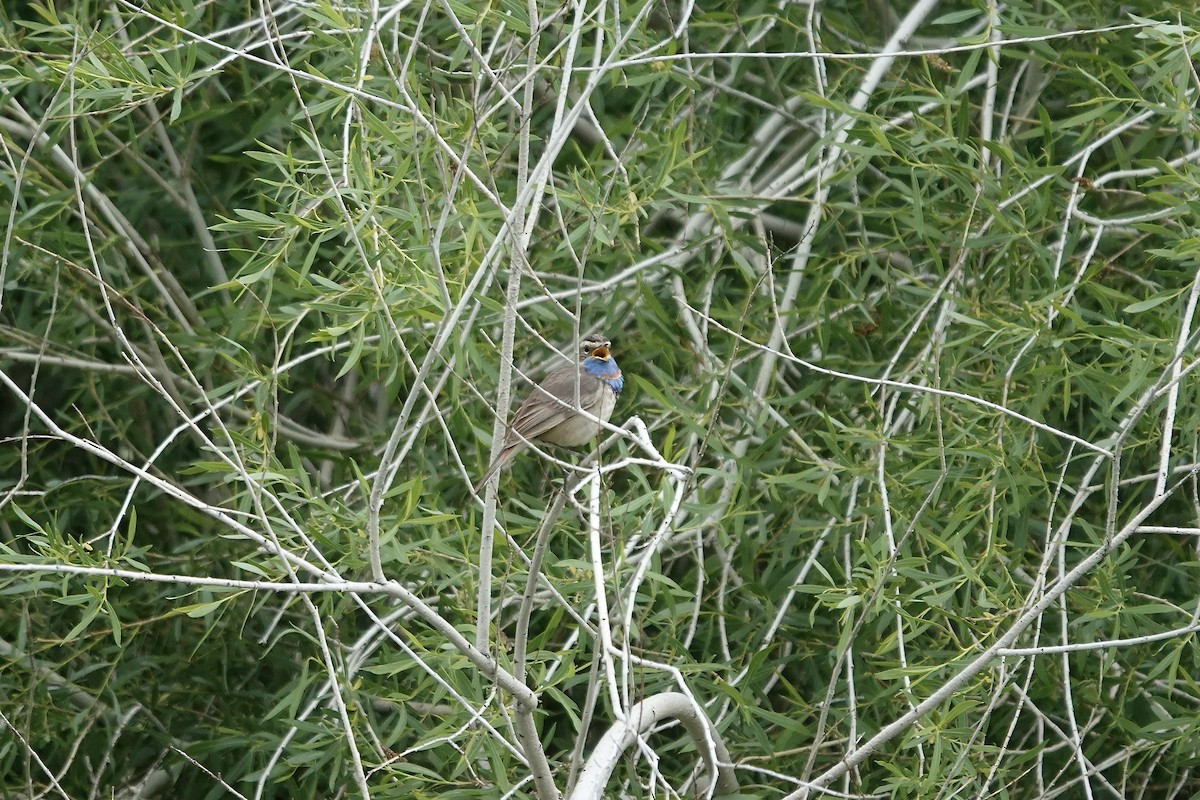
[541, 411]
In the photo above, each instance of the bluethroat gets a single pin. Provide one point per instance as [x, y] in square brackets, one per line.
[549, 414]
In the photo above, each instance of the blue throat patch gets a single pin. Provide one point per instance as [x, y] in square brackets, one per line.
[607, 371]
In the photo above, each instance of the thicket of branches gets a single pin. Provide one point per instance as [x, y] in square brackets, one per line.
[903, 500]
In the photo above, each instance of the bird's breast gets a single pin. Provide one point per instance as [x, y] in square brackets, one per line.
[574, 431]
[606, 402]
[577, 430]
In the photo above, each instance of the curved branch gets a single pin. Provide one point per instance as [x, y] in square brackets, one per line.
[642, 718]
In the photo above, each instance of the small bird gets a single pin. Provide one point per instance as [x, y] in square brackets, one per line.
[548, 415]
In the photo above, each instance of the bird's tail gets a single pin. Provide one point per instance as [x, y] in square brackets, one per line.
[505, 456]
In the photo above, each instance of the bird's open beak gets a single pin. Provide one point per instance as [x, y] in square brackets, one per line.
[601, 352]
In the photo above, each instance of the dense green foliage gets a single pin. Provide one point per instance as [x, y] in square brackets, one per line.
[922, 326]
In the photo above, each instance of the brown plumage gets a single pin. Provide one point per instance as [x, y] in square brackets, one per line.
[548, 415]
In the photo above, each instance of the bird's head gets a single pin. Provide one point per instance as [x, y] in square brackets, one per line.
[594, 345]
